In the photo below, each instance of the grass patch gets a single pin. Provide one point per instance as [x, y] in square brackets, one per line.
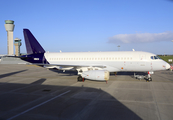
[165, 58]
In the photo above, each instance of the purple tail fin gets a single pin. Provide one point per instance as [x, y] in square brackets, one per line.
[32, 45]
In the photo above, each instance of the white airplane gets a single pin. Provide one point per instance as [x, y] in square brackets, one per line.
[93, 65]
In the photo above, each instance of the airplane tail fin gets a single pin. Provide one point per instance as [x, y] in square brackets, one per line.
[32, 45]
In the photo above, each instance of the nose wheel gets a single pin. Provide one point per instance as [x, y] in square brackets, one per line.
[149, 79]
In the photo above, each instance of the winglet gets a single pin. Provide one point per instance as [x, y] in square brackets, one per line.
[32, 45]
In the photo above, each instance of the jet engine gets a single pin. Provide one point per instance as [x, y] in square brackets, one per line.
[96, 75]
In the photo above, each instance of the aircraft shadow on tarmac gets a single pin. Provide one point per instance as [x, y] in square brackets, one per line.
[12, 73]
[80, 103]
[65, 73]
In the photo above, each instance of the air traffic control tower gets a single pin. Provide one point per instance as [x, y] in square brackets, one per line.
[9, 26]
[17, 43]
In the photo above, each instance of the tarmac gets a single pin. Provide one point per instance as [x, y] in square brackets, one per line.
[31, 92]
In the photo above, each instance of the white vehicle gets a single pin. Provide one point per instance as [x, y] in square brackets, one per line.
[92, 65]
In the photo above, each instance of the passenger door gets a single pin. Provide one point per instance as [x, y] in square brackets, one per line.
[142, 62]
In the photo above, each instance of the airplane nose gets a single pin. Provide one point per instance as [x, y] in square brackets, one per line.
[167, 66]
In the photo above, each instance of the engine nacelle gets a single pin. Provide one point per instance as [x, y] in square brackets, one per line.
[96, 75]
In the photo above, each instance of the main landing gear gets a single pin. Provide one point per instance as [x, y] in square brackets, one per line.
[80, 79]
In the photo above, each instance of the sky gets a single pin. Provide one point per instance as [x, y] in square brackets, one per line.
[91, 25]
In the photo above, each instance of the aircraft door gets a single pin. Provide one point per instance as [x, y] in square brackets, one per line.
[142, 57]
[142, 62]
[151, 62]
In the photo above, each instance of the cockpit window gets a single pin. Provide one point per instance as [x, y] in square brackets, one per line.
[158, 57]
[155, 57]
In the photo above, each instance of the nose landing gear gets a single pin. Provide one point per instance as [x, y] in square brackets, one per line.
[149, 77]
[146, 77]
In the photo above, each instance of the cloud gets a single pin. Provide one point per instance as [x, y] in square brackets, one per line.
[141, 37]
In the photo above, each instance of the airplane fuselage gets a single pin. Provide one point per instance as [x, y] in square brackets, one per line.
[110, 61]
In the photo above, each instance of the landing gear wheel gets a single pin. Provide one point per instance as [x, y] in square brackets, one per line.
[79, 78]
[149, 79]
